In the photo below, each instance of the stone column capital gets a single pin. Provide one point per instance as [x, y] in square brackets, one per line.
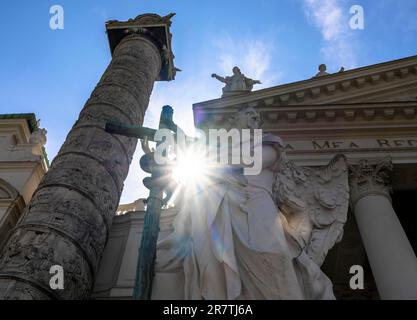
[367, 178]
[152, 27]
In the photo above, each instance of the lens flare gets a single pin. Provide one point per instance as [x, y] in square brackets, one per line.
[190, 168]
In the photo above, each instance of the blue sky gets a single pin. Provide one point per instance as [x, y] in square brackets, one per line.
[52, 72]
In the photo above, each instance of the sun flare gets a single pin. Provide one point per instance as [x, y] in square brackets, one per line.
[190, 168]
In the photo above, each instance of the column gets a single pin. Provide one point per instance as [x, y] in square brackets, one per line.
[392, 259]
[68, 219]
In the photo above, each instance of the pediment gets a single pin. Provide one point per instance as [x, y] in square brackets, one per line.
[389, 81]
[402, 98]
[395, 95]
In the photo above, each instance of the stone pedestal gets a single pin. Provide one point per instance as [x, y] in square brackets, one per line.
[68, 219]
[392, 259]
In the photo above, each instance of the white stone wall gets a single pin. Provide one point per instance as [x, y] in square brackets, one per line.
[117, 271]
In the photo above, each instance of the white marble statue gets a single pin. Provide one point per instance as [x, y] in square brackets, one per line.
[256, 237]
[237, 83]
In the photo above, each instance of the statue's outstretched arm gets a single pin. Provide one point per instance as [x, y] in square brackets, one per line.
[251, 82]
[221, 79]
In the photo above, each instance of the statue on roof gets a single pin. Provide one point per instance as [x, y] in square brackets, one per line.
[237, 83]
[322, 70]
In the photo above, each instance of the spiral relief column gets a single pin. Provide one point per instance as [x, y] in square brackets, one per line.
[68, 219]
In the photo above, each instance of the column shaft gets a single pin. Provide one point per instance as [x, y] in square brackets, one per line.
[68, 219]
[392, 259]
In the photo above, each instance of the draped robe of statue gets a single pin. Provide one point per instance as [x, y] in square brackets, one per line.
[232, 241]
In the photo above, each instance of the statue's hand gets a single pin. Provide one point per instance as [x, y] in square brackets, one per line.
[257, 82]
[214, 75]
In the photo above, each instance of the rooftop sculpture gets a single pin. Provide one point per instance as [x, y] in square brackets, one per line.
[323, 70]
[237, 83]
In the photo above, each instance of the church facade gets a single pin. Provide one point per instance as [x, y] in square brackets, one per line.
[367, 114]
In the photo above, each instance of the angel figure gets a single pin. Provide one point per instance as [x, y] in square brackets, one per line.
[259, 236]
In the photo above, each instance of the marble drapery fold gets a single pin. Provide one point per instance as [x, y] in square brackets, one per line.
[231, 241]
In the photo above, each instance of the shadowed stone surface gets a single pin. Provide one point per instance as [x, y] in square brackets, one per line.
[68, 219]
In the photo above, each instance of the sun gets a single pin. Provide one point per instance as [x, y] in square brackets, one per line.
[190, 168]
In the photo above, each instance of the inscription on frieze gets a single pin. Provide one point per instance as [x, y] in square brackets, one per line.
[352, 144]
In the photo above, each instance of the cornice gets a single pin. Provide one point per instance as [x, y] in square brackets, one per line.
[398, 116]
[30, 117]
[20, 165]
[17, 126]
